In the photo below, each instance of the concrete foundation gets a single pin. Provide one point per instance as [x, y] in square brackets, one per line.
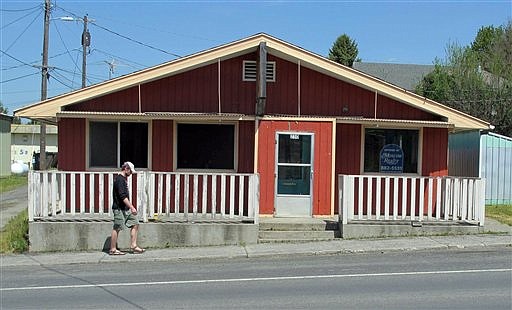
[402, 229]
[83, 236]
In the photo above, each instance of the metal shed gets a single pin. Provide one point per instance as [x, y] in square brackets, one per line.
[486, 155]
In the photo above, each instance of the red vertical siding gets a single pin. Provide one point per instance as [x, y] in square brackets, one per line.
[348, 154]
[246, 147]
[435, 152]
[282, 96]
[348, 149]
[126, 100]
[322, 162]
[237, 96]
[71, 141]
[162, 145]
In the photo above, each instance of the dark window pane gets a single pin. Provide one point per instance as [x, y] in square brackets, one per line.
[376, 139]
[206, 146]
[134, 144]
[294, 149]
[293, 180]
[103, 144]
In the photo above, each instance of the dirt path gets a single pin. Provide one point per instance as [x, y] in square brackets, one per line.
[12, 203]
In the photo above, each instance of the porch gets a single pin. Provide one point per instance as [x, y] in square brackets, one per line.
[374, 205]
[73, 210]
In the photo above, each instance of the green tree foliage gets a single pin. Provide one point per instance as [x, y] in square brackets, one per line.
[344, 50]
[476, 79]
[3, 109]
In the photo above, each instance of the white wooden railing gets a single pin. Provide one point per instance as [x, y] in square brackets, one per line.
[405, 198]
[68, 195]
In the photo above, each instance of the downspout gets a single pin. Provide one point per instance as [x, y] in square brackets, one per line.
[298, 88]
[218, 84]
[261, 79]
[140, 104]
[375, 106]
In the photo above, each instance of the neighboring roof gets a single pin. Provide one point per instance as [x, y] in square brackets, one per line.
[5, 117]
[406, 76]
[47, 110]
[31, 129]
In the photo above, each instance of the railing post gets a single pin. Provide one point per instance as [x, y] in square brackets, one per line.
[481, 202]
[31, 190]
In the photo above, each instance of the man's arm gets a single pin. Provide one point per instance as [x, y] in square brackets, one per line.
[129, 205]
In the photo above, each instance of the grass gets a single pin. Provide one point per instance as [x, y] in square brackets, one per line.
[501, 213]
[12, 182]
[14, 237]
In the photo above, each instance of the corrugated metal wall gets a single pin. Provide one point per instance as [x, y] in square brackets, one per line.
[485, 155]
[496, 167]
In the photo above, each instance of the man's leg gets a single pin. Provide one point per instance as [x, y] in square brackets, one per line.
[113, 240]
[133, 236]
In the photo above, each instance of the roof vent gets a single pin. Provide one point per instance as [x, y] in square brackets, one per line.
[249, 71]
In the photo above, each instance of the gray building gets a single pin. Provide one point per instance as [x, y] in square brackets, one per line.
[5, 145]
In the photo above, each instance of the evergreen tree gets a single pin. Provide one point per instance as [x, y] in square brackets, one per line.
[344, 51]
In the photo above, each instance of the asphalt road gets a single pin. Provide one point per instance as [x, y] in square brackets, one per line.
[449, 279]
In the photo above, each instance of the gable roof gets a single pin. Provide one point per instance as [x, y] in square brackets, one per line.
[47, 110]
[406, 76]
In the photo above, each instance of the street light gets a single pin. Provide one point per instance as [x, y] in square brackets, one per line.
[86, 42]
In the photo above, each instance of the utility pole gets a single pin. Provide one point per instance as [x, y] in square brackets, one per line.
[44, 84]
[86, 42]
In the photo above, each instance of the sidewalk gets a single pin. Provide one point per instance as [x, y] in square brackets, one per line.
[264, 250]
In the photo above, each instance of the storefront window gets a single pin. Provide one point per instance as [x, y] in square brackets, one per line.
[391, 150]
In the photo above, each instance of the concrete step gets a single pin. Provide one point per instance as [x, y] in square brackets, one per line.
[297, 235]
[291, 241]
[307, 226]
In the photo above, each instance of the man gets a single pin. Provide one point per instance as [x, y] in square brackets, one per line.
[125, 214]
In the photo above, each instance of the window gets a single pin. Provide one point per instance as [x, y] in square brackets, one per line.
[250, 70]
[113, 143]
[391, 150]
[206, 146]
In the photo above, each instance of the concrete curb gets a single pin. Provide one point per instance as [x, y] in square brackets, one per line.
[336, 247]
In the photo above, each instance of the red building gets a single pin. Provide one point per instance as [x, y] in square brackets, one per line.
[257, 105]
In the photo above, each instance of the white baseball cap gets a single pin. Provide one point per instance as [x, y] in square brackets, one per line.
[129, 165]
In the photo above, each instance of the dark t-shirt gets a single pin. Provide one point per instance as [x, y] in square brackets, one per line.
[120, 192]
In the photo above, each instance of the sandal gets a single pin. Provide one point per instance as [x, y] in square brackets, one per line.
[137, 250]
[116, 252]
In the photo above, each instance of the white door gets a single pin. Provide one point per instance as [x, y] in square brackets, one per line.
[294, 174]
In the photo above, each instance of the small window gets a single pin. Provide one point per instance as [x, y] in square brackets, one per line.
[112, 143]
[391, 150]
[250, 71]
[206, 146]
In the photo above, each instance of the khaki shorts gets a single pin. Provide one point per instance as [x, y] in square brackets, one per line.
[123, 219]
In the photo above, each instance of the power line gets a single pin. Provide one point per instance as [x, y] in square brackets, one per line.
[21, 61]
[18, 78]
[26, 28]
[21, 10]
[17, 20]
[135, 41]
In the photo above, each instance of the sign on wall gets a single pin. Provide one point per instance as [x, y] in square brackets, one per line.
[391, 159]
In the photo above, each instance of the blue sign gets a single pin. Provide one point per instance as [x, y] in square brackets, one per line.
[391, 159]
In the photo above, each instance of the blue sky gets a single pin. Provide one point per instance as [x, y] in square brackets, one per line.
[386, 31]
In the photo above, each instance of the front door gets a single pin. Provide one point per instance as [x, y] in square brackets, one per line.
[294, 174]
